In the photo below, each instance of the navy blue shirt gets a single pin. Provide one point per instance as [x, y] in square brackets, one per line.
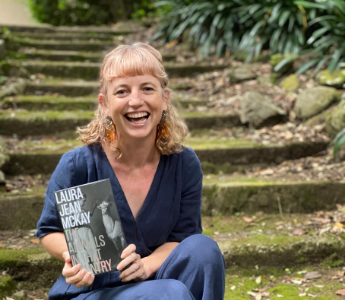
[171, 210]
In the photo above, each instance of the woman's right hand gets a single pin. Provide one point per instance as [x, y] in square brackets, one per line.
[74, 275]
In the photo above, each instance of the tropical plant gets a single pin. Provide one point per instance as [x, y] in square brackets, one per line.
[326, 44]
[244, 26]
[337, 141]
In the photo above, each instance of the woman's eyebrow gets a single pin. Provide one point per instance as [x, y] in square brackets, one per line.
[120, 85]
[148, 82]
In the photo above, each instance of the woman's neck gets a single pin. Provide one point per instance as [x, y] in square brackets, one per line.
[134, 153]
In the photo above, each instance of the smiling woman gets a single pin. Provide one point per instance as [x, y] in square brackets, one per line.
[135, 140]
[117, 82]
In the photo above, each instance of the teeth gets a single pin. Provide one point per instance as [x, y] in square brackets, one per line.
[141, 121]
[137, 115]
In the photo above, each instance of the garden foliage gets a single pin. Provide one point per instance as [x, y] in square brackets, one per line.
[248, 26]
[87, 12]
[71, 12]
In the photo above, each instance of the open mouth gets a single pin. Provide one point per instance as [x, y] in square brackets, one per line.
[137, 118]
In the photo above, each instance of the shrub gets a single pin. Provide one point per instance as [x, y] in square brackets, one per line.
[327, 43]
[239, 25]
[71, 12]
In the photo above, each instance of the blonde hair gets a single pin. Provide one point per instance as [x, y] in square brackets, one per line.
[126, 61]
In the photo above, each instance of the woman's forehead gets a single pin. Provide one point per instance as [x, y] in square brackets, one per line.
[134, 80]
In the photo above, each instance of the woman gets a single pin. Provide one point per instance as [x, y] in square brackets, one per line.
[135, 141]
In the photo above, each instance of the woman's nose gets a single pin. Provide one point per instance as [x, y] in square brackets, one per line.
[135, 99]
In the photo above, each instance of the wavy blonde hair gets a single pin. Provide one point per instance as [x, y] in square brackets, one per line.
[126, 61]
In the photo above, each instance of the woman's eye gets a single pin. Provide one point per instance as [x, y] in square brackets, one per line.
[120, 92]
[148, 89]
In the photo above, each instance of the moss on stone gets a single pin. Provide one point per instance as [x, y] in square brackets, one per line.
[7, 286]
[277, 58]
[335, 79]
[22, 264]
[290, 83]
[228, 197]
[50, 103]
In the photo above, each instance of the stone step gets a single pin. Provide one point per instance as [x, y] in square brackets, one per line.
[122, 29]
[30, 102]
[36, 123]
[69, 35]
[65, 55]
[256, 247]
[38, 157]
[220, 198]
[15, 43]
[57, 103]
[76, 88]
[89, 70]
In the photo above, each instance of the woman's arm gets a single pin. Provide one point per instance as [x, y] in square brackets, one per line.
[55, 244]
[141, 269]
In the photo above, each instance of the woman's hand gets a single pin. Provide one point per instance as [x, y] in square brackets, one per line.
[74, 275]
[136, 271]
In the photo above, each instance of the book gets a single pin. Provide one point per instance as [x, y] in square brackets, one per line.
[92, 226]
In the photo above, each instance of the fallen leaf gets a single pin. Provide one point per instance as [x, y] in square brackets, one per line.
[338, 225]
[280, 296]
[340, 292]
[35, 241]
[258, 280]
[247, 219]
[172, 44]
[302, 294]
[296, 281]
[233, 288]
[298, 232]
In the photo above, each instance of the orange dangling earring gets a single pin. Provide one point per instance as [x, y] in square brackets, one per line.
[110, 129]
[163, 127]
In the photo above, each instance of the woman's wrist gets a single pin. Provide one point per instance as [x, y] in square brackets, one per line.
[149, 269]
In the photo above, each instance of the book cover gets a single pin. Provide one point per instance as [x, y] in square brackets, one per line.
[92, 226]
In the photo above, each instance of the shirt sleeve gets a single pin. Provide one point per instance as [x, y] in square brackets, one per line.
[189, 221]
[49, 221]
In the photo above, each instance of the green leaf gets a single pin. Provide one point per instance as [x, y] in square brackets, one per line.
[275, 13]
[320, 19]
[316, 35]
[338, 144]
[283, 63]
[311, 5]
[306, 66]
[285, 15]
[256, 28]
[220, 47]
[216, 19]
[274, 39]
[335, 59]
[292, 20]
[320, 64]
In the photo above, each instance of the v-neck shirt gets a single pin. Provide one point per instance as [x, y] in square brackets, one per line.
[171, 210]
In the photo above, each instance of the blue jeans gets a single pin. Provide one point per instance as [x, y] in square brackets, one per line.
[194, 270]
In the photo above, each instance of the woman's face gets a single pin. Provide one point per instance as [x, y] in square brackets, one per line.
[135, 104]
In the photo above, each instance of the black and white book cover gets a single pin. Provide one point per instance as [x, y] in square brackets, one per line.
[92, 226]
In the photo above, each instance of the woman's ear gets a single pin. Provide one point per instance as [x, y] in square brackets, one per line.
[166, 97]
[103, 103]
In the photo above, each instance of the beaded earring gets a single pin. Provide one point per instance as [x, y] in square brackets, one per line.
[163, 127]
[110, 129]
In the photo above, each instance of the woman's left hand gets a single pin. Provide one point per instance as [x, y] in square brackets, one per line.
[136, 271]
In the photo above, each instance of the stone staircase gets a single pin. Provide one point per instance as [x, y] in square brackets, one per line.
[61, 67]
